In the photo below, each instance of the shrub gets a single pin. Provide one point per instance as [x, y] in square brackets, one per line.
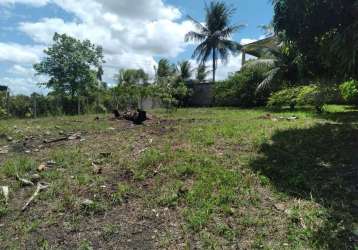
[349, 91]
[285, 97]
[171, 93]
[313, 95]
[3, 113]
[20, 106]
[309, 95]
[240, 89]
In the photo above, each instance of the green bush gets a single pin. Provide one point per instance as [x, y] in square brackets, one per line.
[20, 106]
[309, 95]
[240, 89]
[285, 97]
[3, 113]
[314, 95]
[171, 92]
[349, 91]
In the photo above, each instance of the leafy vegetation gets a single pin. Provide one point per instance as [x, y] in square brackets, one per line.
[74, 67]
[218, 178]
[214, 36]
[284, 98]
[240, 89]
[276, 184]
[349, 91]
[323, 32]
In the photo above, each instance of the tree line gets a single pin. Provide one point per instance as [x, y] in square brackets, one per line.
[312, 61]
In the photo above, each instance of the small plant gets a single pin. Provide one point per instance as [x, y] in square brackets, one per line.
[89, 207]
[349, 91]
[110, 231]
[122, 193]
[3, 209]
[85, 245]
[17, 166]
[170, 194]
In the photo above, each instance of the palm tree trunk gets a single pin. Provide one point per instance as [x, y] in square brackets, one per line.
[214, 64]
[78, 105]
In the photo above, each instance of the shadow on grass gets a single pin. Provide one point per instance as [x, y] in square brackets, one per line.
[350, 115]
[319, 162]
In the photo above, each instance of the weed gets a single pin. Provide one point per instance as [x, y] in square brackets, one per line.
[110, 231]
[122, 193]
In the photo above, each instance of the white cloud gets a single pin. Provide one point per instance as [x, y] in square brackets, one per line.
[17, 53]
[233, 65]
[131, 32]
[245, 41]
[36, 3]
[223, 69]
[22, 71]
[142, 9]
[21, 79]
[23, 85]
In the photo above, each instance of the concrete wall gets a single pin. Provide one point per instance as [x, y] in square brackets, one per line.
[202, 95]
[151, 103]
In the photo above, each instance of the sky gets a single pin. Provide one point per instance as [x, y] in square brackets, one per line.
[133, 33]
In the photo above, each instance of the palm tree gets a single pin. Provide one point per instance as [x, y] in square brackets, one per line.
[279, 63]
[165, 69]
[201, 72]
[132, 77]
[214, 36]
[184, 70]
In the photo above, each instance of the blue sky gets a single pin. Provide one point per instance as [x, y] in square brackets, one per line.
[251, 13]
[134, 33]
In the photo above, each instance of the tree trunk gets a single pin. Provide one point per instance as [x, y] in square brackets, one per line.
[243, 61]
[78, 105]
[35, 108]
[214, 64]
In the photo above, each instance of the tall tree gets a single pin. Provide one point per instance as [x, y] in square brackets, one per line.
[165, 69]
[202, 73]
[72, 65]
[280, 63]
[132, 77]
[324, 32]
[215, 35]
[184, 70]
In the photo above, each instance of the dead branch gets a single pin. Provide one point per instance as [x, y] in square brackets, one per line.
[5, 192]
[39, 188]
[56, 140]
[137, 117]
[24, 182]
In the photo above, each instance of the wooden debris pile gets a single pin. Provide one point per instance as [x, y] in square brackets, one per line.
[137, 117]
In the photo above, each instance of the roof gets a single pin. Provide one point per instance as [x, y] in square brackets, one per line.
[260, 47]
[3, 88]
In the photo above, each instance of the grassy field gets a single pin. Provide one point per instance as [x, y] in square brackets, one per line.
[193, 179]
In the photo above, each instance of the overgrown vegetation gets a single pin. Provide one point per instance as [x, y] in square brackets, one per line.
[252, 182]
[349, 91]
[240, 89]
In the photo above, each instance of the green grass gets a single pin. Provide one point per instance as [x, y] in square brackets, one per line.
[225, 178]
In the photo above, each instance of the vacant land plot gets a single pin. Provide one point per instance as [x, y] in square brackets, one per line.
[193, 179]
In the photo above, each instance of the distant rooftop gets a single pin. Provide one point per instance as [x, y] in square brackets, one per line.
[260, 47]
[4, 88]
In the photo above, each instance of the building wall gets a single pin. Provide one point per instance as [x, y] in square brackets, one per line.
[202, 95]
[150, 103]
